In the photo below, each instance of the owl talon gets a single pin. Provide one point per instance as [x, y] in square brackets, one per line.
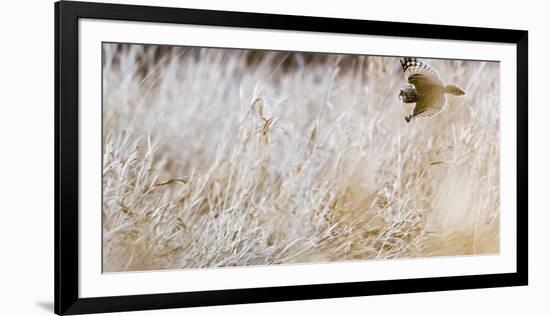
[408, 118]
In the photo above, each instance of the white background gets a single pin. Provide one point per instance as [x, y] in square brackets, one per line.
[26, 160]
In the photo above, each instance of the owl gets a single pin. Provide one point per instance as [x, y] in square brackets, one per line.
[425, 88]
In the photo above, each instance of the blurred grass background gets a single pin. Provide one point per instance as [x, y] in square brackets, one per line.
[225, 157]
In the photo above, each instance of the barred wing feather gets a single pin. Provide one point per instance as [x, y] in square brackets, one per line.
[422, 73]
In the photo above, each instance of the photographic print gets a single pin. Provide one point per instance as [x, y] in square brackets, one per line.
[223, 157]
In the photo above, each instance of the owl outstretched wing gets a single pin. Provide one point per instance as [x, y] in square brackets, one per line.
[430, 105]
[419, 73]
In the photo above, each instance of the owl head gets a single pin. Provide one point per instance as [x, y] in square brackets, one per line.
[407, 94]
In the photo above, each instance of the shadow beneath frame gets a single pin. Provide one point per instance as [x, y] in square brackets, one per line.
[48, 306]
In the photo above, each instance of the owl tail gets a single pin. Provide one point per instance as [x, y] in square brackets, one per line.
[454, 90]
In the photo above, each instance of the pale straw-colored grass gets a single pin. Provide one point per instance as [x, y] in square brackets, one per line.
[213, 158]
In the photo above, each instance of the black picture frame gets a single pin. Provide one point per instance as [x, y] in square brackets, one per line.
[67, 15]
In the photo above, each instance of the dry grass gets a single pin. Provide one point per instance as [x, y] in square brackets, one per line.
[224, 158]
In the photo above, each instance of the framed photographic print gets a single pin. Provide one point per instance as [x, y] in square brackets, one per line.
[208, 157]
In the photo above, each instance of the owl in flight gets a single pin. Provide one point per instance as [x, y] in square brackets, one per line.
[425, 88]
